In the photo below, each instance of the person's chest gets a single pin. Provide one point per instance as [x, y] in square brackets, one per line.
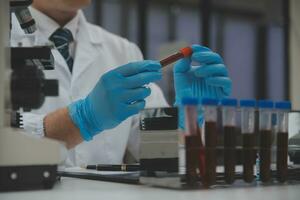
[91, 61]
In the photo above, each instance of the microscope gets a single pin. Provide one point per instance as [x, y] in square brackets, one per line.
[25, 162]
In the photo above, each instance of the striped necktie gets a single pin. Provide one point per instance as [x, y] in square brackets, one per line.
[62, 38]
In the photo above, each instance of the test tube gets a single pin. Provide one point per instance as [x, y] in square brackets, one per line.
[210, 116]
[265, 132]
[183, 53]
[282, 109]
[192, 139]
[229, 127]
[248, 130]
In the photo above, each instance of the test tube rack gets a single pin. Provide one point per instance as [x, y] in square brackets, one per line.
[163, 160]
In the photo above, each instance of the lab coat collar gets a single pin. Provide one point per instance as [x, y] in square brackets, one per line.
[93, 38]
[46, 26]
[82, 25]
[86, 40]
[88, 47]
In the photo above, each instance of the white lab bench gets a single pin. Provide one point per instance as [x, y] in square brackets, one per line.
[73, 189]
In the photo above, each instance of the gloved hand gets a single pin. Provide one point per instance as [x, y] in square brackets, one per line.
[208, 79]
[119, 94]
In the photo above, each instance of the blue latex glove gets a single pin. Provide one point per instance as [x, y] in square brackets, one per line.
[119, 94]
[207, 79]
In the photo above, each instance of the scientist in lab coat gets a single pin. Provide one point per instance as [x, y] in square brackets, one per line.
[102, 80]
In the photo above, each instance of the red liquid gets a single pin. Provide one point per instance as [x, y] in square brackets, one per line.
[248, 156]
[229, 153]
[184, 52]
[210, 153]
[282, 151]
[192, 145]
[265, 155]
[171, 59]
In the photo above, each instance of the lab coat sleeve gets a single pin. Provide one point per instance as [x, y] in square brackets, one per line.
[156, 99]
[33, 124]
[135, 54]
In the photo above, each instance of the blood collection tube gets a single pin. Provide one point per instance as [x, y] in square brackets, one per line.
[265, 132]
[248, 130]
[282, 111]
[210, 116]
[229, 127]
[183, 53]
[192, 140]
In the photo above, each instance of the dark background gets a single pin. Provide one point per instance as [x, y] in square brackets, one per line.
[251, 35]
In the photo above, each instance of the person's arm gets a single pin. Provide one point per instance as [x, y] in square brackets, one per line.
[58, 125]
[119, 94]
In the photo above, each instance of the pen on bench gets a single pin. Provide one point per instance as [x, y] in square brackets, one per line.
[123, 167]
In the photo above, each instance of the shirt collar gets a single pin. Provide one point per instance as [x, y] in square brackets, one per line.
[47, 26]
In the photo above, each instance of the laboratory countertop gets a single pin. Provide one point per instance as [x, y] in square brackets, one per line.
[73, 189]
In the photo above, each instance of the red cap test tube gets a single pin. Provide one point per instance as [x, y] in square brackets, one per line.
[183, 53]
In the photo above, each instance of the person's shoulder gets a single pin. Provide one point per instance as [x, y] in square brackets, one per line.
[117, 45]
[111, 38]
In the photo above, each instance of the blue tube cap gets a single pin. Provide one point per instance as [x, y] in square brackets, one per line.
[249, 103]
[189, 101]
[210, 102]
[265, 104]
[284, 105]
[229, 102]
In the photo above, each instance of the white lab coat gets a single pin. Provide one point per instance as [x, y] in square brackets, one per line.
[97, 52]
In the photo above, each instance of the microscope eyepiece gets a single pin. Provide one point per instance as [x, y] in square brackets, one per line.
[25, 19]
